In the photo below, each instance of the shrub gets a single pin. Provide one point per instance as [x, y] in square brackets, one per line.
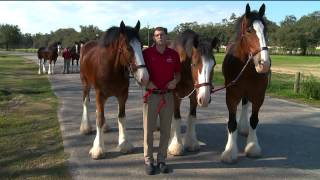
[311, 88]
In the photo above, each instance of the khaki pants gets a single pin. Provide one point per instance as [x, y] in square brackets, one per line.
[149, 122]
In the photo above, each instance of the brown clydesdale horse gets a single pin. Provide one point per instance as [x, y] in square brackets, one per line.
[198, 64]
[50, 53]
[245, 68]
[104, 64]
[75, 55]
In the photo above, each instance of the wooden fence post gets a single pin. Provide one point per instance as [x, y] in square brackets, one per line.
[297, 83]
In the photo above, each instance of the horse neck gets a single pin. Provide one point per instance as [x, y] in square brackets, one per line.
[238, 51]
[186, 74]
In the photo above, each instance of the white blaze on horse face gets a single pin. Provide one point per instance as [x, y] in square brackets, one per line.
[77, 48]
[59, 48]
[203, 96]
[141, 75]
[258, 27]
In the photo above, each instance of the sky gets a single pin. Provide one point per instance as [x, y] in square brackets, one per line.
[46, 16]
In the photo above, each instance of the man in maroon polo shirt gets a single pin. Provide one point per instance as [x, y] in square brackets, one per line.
[164, 67]
[66, 60]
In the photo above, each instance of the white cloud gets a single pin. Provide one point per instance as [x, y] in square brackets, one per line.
[39, 16]
[33, 17]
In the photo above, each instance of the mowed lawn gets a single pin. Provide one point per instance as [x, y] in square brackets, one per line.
[30, 138]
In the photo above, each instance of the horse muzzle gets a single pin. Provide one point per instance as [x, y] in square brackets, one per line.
[262, 66]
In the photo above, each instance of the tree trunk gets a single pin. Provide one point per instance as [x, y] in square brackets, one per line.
[304, 51]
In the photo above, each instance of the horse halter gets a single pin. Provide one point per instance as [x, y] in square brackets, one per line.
[197, 86]
[133, 67]
[251, 55]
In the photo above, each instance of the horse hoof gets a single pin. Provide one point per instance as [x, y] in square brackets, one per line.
[193, 148]
[253, 151]
[191, 145]
[175, 149]
[227, 157]
[96, 153]
[126, 147]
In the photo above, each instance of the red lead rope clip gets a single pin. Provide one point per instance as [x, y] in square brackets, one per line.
[162, 100]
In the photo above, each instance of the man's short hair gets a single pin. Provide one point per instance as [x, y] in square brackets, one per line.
[159, 28]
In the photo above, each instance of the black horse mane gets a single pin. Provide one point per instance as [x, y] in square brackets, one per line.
[252, 16]
[113, 33]
[186, 35]
[54, 45]
[203, 45]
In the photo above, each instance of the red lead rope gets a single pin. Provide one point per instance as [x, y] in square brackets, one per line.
[162, 100]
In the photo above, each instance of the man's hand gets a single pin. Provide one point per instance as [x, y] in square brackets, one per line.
[150, 85]
[172, 84]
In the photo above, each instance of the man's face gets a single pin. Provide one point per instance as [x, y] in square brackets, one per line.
[160, 37]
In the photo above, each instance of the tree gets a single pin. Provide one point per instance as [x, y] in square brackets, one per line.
[90, 32]
[66, 37]
[308, 28]
[26, 41]
[40, 40]
[287, 34]
[10, 35]
[272, 29]
[188, 25]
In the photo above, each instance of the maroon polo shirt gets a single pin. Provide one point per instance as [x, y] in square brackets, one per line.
[161, 67]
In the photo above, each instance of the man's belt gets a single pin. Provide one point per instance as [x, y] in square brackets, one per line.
[159, 91]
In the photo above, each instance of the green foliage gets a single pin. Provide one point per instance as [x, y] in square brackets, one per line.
[311, 88]
[10, 35]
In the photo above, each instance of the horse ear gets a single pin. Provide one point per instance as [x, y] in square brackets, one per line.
[137, 26]
[247, 9]
[215, 42]
[122, 27]
[262, 10]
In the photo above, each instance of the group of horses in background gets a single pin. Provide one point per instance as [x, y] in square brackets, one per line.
[53, 51]
[106, 63]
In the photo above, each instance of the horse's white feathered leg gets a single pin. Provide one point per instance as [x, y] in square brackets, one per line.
[230, 154]
[124, 145]
[97, 150]
[191, 142]
[175, 147]
[85, 127]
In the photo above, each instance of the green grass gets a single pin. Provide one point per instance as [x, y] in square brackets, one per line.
[282, 85]
[280, 60]
[30, 138]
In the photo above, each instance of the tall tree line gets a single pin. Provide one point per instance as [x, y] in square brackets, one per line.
[290, 35]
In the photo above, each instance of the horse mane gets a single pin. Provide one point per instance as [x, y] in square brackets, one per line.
[185, 36]
[113, 33]
[185, 42]
[205, 47]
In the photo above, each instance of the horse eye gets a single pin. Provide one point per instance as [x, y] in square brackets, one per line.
[250, 30]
